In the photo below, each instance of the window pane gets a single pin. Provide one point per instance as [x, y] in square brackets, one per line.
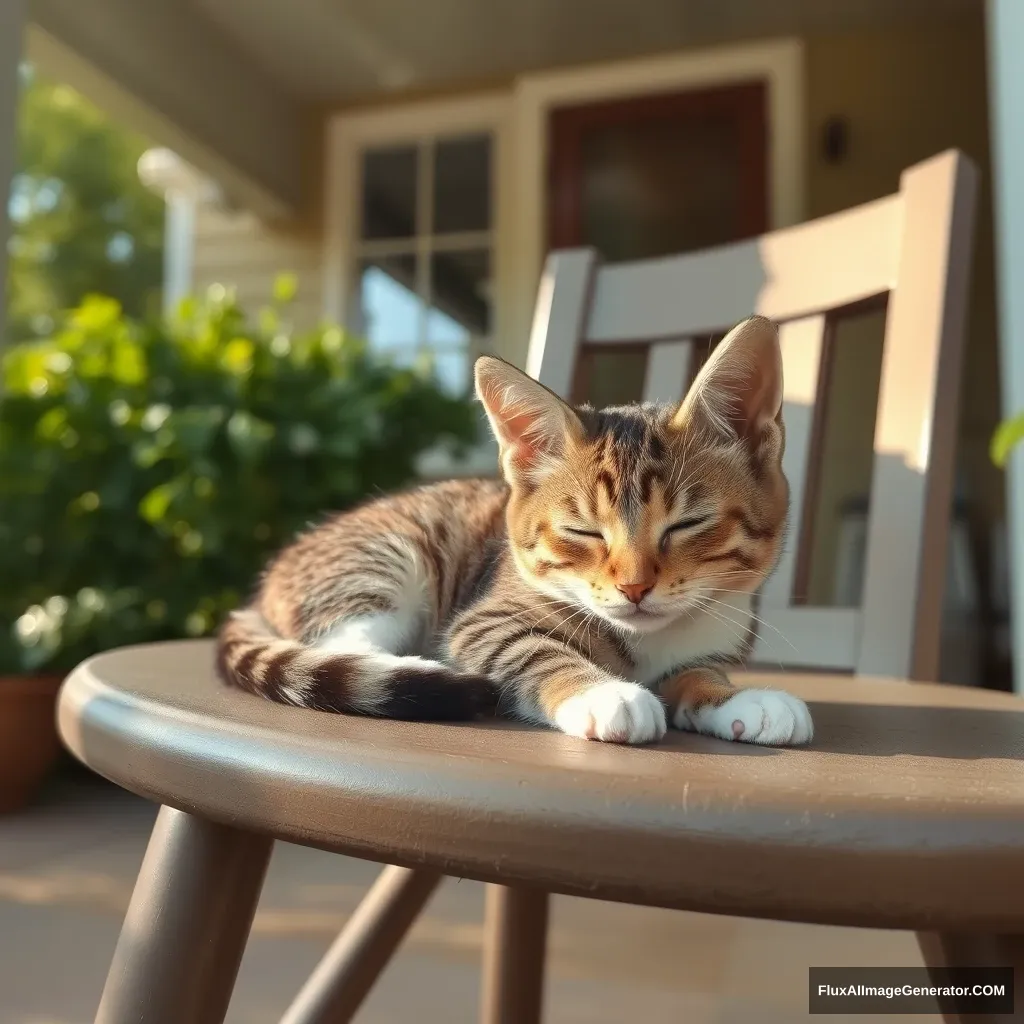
[462, 184]
[390, 311]
[460, 288]
[451, 370]
[389, 192]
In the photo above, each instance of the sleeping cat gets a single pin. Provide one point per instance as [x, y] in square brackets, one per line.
[600, 588]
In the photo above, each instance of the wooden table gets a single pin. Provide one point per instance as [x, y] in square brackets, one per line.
[906, 812]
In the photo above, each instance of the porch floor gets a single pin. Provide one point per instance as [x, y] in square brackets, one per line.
[66, 874]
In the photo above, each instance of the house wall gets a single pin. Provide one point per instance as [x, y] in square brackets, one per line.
[905, 94]
[237, 249]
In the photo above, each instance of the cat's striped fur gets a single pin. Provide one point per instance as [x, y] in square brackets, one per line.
[606, 580]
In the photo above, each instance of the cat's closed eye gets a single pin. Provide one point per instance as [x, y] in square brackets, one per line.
[682, 526]
[597, 535]
[687, 524]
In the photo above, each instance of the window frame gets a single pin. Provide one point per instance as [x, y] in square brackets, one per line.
[353, 133]
[425, 243]
[349, 134]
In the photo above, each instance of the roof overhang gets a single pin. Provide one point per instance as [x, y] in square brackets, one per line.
[161, 68]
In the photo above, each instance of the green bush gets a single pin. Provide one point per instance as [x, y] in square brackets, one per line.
[147, 470]
[1008, 435]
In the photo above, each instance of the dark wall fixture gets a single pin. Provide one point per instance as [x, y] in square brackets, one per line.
[835, 139]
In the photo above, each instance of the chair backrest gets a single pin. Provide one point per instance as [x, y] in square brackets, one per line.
[910, 250]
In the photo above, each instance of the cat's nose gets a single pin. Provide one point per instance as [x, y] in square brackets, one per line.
[635, 592]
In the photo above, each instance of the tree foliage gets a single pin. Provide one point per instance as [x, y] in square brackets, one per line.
[82, 222]
[148, 469]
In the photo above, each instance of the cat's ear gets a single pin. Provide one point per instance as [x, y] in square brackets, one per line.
[739, 390]
[531, 423]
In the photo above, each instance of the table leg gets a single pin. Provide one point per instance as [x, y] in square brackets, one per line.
[348, 970]
[957, 949]
[515, 945]
[183, 937]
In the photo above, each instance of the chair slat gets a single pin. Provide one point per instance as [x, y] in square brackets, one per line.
[823, 265]
[822, 638]
[915, 429]
[558, 320]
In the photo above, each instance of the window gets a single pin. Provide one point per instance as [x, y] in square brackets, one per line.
[424, 253]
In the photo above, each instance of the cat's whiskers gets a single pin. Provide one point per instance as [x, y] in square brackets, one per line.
[527, 614]
[754, 618]
[726, 574]
[739, 633]
[512, 682]
[582, 625]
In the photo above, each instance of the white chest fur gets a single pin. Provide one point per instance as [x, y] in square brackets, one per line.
[692, 639]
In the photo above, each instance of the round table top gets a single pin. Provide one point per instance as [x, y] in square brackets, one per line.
[906, 811]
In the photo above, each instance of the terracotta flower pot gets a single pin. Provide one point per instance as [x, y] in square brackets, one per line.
[29, 745]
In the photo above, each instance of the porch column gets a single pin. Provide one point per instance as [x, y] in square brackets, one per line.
[179, 245]
[184, 190]
[12, 29]
[1006, 100]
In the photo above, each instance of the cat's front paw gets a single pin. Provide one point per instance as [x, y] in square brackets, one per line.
[616, 712]
[770, 717]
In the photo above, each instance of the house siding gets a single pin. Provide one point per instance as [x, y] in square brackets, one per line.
[236, 249]
[905, 94]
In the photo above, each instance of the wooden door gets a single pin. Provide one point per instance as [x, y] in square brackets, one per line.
[654, 176]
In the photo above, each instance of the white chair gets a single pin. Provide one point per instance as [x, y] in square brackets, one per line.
[911, 250]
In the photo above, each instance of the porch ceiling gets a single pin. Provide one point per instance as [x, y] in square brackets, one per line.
[340, 50]
[235, 86]
[162, 67]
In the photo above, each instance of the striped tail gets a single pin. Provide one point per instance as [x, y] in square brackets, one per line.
[253, 657]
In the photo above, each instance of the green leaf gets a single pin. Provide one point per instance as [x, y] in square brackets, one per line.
[286, 287]
[248, 434]
[237, 356]
[156, 504]
[195, 427]
[1007, 436]
[96, 313]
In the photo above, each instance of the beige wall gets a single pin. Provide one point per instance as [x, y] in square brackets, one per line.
[906, 95]
[238, 250]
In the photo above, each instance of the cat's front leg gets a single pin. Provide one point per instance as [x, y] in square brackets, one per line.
[543, 678]
[612, 710]
[703, 700]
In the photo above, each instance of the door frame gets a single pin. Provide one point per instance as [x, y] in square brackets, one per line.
[779, 63]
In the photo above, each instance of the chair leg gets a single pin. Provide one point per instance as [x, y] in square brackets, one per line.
[187, 924]
[957, 949]
[348, 970]
[516, 941]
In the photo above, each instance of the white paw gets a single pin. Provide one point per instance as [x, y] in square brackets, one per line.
[616, 712]
[753, 716]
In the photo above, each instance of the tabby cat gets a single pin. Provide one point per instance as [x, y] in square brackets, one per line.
[600, 588]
